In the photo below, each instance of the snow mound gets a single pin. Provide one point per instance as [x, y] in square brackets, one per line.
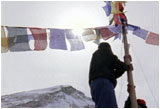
[54, 97]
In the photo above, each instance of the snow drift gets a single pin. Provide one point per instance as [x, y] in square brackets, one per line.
[54, 97]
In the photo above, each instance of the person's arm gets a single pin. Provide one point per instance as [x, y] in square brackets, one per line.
[119, 67]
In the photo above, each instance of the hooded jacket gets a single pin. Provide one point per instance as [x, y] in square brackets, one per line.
[106, 65]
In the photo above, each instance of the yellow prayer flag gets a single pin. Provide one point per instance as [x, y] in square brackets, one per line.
[4, 42]
[115, 8]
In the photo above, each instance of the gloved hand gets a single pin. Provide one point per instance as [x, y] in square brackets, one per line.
[130, 67]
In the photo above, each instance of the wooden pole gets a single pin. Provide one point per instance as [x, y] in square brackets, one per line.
[127, 60]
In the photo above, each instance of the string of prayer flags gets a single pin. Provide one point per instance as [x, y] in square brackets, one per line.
[18, 39]
[106, 33]
[74, 40]
[89, 35]
[4, 41]
[141, 33]
[40, 37]
[107, 8]
[153, 38]
[57, 39]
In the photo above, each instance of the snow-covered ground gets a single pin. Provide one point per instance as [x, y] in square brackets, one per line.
[54, 97]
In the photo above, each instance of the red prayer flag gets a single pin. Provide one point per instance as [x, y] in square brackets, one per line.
[106, 33]
[153, 38]
[40, 37]
[119, 18]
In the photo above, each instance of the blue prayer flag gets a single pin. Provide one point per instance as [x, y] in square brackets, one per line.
[107, 8]
[57, 39]
[141, 33]
[117, 30]
[118, 36]
[132, 27]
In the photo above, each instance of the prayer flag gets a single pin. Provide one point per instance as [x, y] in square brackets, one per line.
[18, 39]
[4, 43]
[132, 27]
[57, 39]
[119, 18]
[153, 38]
[141, 33]
[106, 33]
[87, 32]
[89, 35]
[117, 11]
[40, 37]
[115, 7]
[118, 36]
[107, 8]
[74, 40]
[117, 30]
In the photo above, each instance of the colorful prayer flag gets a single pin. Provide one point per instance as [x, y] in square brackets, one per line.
[74, 40]
[106, 33]
[119, 18]
[18, 39]
[117, 11]
[89, 35]
[117, 30]
[40, 37]
[107, 8]
[141, 33]
[115, 7]
[4, 42]
[153, 38]
[57, 39]
[118, 36]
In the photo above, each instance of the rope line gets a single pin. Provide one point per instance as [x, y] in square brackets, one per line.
[141, 68]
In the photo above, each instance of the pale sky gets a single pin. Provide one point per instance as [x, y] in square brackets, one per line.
[23, 71]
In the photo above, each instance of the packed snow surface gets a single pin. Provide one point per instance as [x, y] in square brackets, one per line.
[54, 97]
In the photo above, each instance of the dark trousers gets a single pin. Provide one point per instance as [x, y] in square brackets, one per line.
[102, 92]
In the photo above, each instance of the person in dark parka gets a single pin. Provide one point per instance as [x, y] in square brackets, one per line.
[105, 68]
